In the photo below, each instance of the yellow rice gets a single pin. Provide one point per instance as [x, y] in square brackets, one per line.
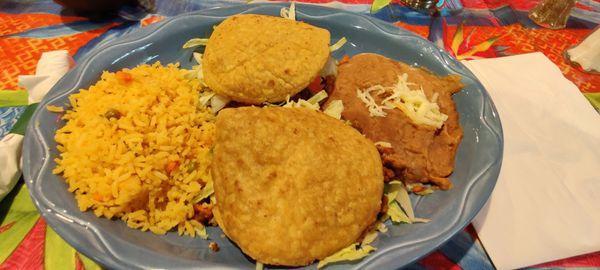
[119, 166]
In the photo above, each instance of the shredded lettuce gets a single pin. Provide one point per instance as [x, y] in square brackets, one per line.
[391, 191]
[420, 220]
[312, 103]
[338, 44]
[201, 232]
[197, 57]
[190, 75]
[335, 109]
[369, 238]
[301, 103]
[381, 227]
[404, 200]
[399, 205]
[396, 214]
[218, 102]
[318, 97]
[425, 189]
[350, 253]
[289, 13]
[206, 191]
[205, 98]
[425, 192]
[259, 266]
[195, 42]
[196, 71]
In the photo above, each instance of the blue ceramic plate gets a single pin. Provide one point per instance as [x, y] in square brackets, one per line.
[114, 245]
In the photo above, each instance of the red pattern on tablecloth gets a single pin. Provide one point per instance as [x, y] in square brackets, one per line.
[20, 55]
[587, 260]
[438, 260]
[516, 39]
[30, 253]
[16, 23]
[420, 30]
[493, 4]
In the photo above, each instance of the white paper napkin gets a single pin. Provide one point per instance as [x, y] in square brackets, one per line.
[10, 162]
[50, 68]
[546, 204]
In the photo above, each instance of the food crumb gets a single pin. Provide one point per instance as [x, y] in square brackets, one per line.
[112, 113]
[222, 235]
[124, 77]
[172, 166]
[203, 212]
[417, 189]
[55, 109]
[213, 246]
[344, 60]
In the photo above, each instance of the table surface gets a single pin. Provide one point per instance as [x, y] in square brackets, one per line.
[490, 28]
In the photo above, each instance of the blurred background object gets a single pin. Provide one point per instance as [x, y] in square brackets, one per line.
[95, 6]
[552, 14]
[429, 6]
[586, 55]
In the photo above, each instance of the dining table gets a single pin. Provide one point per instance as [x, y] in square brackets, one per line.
[466, 29]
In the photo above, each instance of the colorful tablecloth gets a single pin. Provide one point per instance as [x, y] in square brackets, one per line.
[467, 29]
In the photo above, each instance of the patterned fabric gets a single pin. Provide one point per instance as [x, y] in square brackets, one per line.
[8, 118]
[468, 29]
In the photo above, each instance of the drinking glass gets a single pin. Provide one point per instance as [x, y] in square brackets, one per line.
[552, 14]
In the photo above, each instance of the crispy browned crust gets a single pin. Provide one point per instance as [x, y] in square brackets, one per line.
[293, 185]
[256, 58]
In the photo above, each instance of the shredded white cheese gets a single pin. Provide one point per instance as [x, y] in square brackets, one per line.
[383, 144]
[365, 96]
[413, 102]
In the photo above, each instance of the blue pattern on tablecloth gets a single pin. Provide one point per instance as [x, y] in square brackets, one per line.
[8, 118]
